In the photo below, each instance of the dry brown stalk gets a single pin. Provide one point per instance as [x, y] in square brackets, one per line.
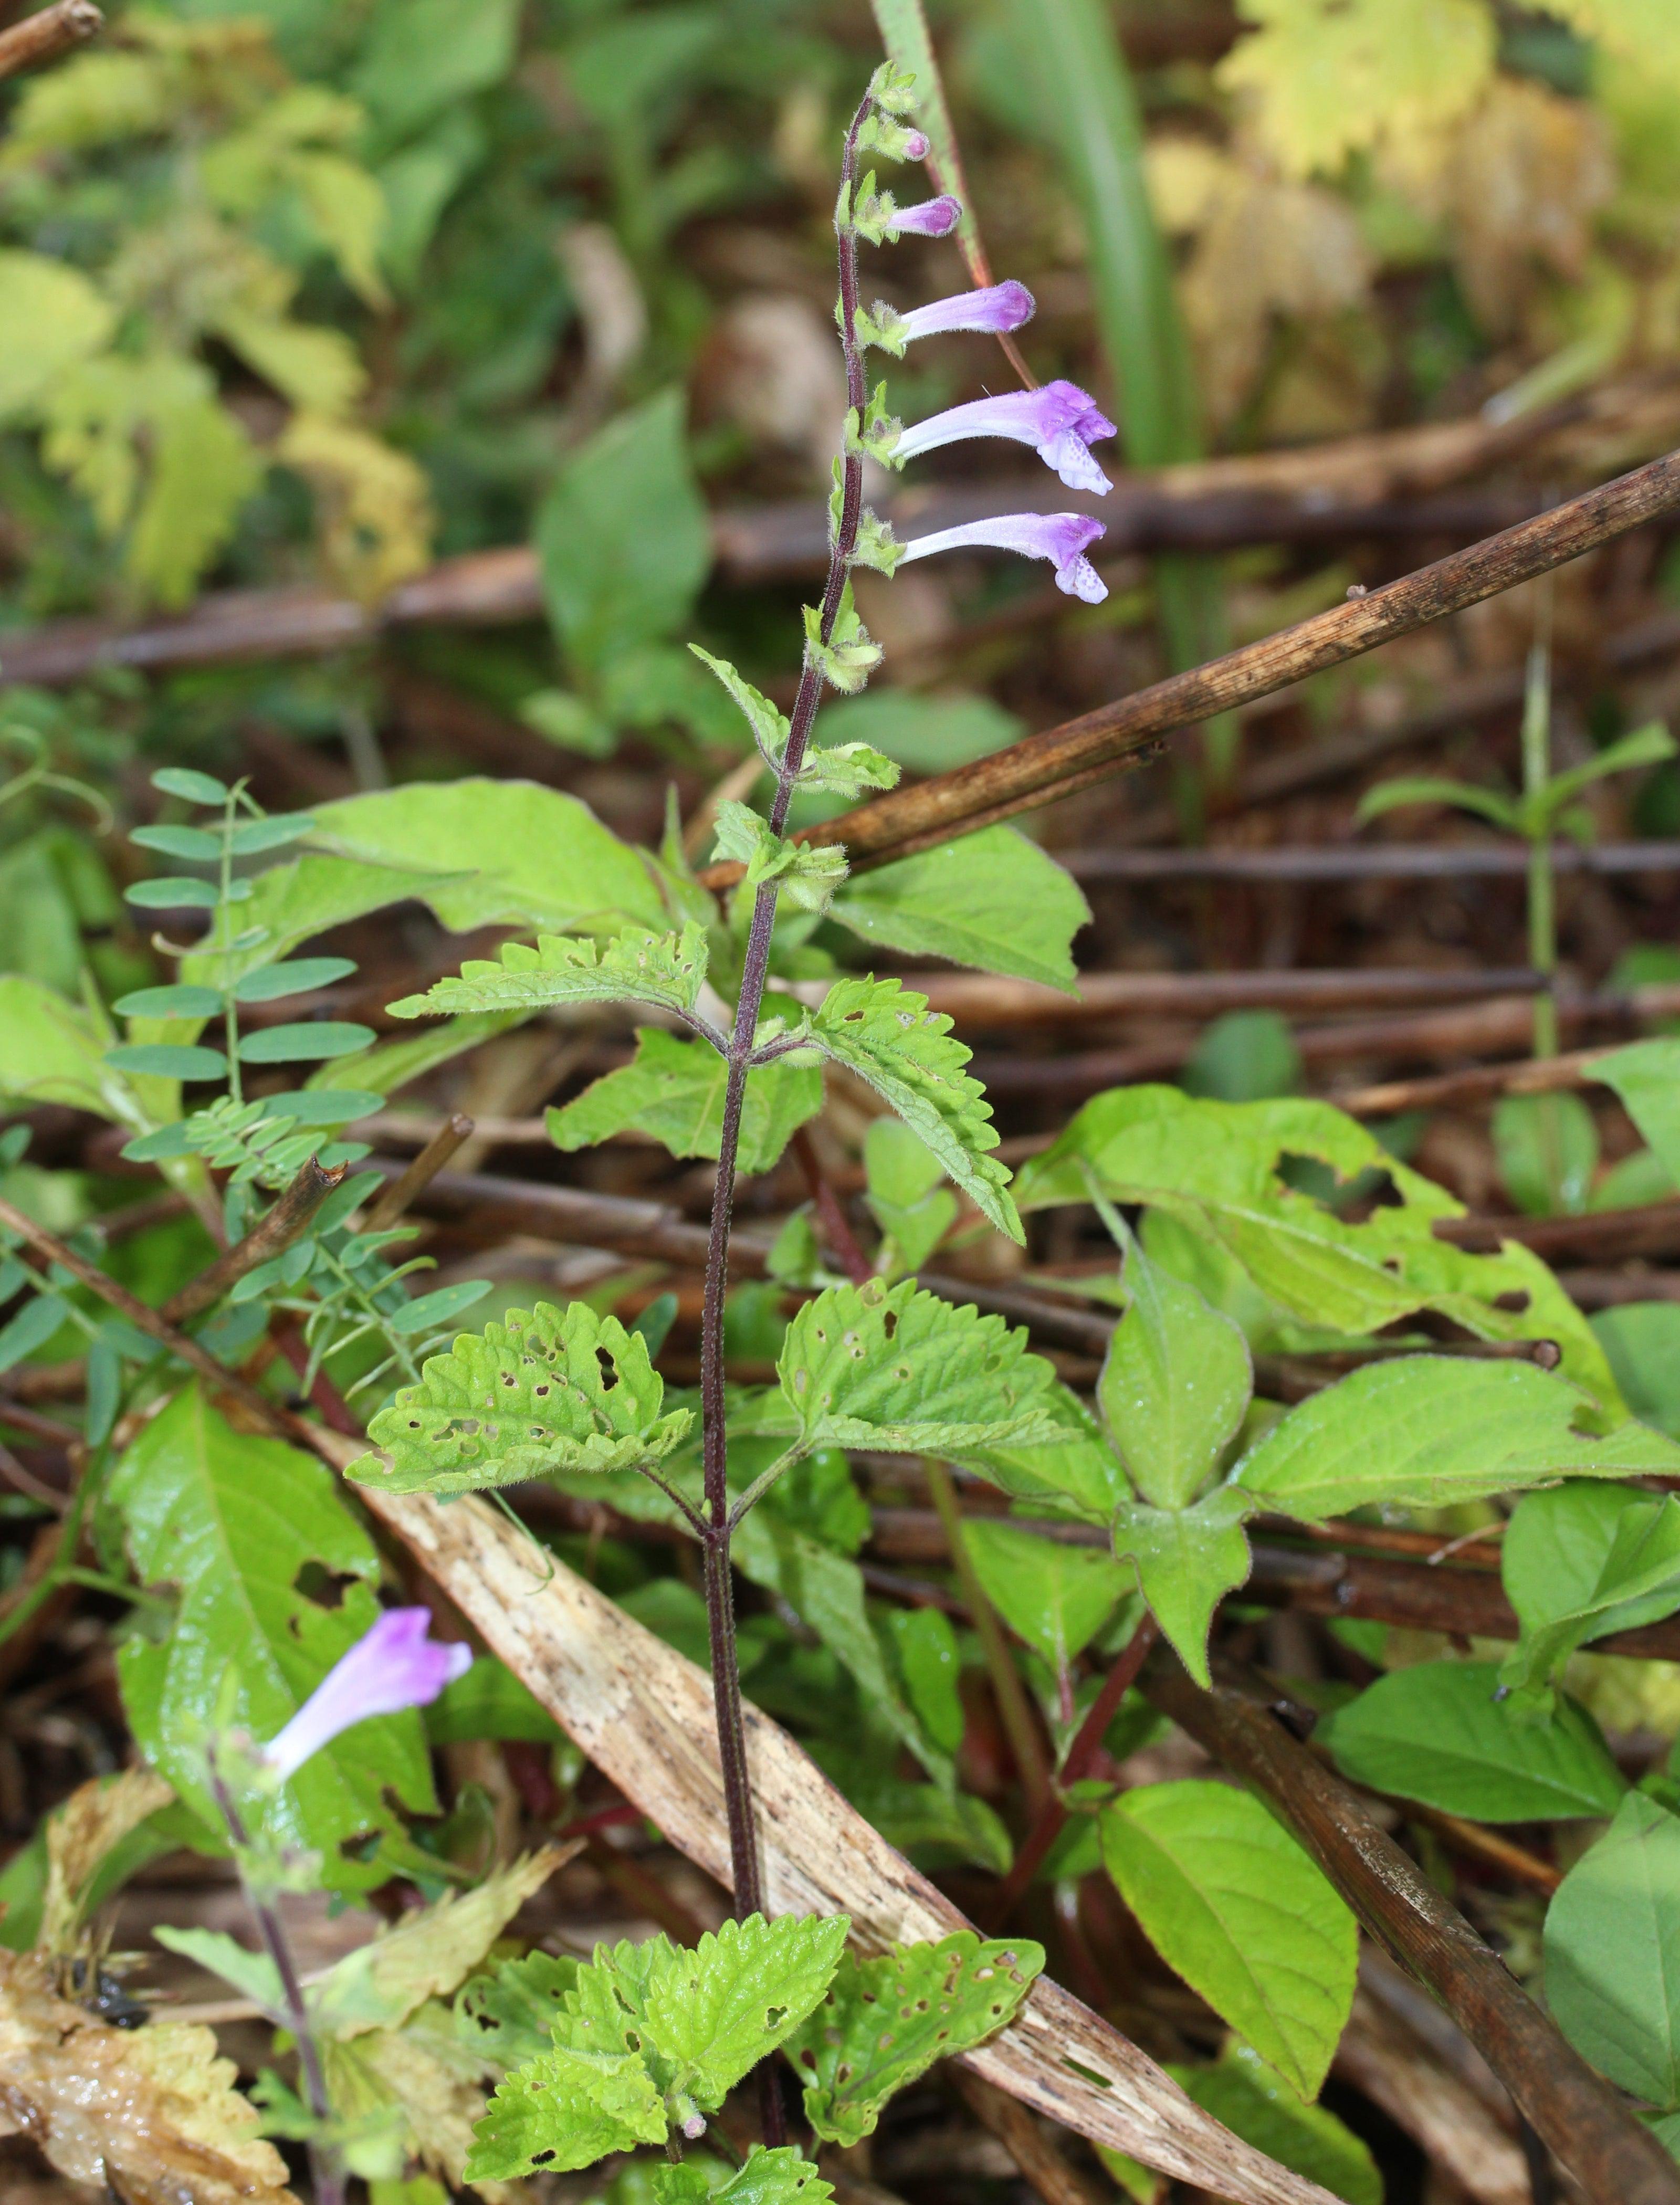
[272, 1233]
[43, 37]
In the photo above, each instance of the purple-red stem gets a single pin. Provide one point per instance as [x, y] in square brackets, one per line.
[1087, 1744]
[720, 1596]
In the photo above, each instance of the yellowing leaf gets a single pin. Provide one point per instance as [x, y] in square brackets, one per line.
[373, 506]
[150, 2113]
[94, 99]
[53, 318]
[425, 2084]
[347, 208]
[317, 369]
[96, 1817]
[1645, 32]
[1333, 77]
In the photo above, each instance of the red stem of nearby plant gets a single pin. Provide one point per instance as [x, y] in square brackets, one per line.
[1078, 1764]
[719, 1597]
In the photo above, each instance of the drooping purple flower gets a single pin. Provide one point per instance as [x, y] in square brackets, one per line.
[1061, 538]
[932, 219]
[1061, 420]
[392, 1667]
[998, 309]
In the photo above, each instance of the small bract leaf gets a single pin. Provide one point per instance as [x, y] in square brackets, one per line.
[885, 2021]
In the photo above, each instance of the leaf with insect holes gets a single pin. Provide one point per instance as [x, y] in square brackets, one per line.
[808, 872]
[564, 2110]
[545, 1391]
[885, 2021]
[509, 2017]
[767, 2178]
[906, 1372]
[1232, 1902]
[667, 969]
[885, 1033]
[768, 725]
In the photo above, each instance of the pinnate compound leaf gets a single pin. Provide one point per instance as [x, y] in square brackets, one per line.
[673, 1089]
[1580, 1560]
[1610, 1934]
[768, 2178]
[885, 2021]
[150, 2112]
[426, 1954]
[543, 1391]
[885, 1033]
[906, 1373]
[1440, 1732]
[234, 1526]
[1187, 1560]
[564, 2110]
[1425, 1431]
[1175, 1384]
[667, 969]
[509, 2017]
[1056, 1598]
[1231, 1901]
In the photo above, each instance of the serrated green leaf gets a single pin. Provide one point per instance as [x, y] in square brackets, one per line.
[1425, 1431]
[768, 725]
[885, 1033]
[906, 1372]
[808, 872]
[234, 1525]
[673, 1089]
[1057, 1598]
[426, 1954]
[885, 2021]
[509, 2017]
[1610, 1934]
[668, 969]
[1439, 1732]
[1187, 1560]
[1580, 1560]
[565, 2110]
[1175, 1384]
[1230, 1900]
[543, 1391]
[994, 900]
[781, 2177]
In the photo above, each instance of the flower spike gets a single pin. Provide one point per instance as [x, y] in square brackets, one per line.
[1061, 420]
[392, 1667]
[1061, 538]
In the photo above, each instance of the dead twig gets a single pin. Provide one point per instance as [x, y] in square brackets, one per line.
[43, 37]
[1045, 2167]
[271, 1236]
[420, 1174]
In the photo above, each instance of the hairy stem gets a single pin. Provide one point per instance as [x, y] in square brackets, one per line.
[326, 2175]
[720, 1594]
[1537, 777]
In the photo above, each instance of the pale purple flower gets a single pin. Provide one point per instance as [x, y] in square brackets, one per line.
[1061, 538]
[1061, 420]
[916, 147]
[932, 219]
[994, 312]
[392, 1667]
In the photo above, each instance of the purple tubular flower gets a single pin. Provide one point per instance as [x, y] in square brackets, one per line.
[916, 147]
[996, 310]
[392, 1667]
[1061, 420]
[932, 219]
[1061, 538]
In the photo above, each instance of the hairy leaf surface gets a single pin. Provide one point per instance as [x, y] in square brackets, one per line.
[673, 1089]
[668, 969]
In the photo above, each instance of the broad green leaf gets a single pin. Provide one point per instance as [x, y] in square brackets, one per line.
[1646, 1076]
[1610, 1934]
[51, 1051]
[422, 58]
[519, 853]
[1230, 1900]
[930, 1664]
[253, 1975]
[1643, 1340]
[885, 1033]
[1241, 2090]
[1426, 1431]
[647, 968]
[56, 319]
[1175, 1384]
[1187, 1560]
[906, 1373]
[1581, 1560]
[1246, 1056]
[995, 900]
[239, 1529]
[565, 2109]
[1548, 1150]
[489, 1702]
[906, 1195]
[1056, 1598]
[509, 2017]
[672, 1088]
[885, 2021]
[550, 1390]
[808, 872]
[1440, 1732]
[426, 1953]
[622, 537]
[928, 734]
[290, 903]
[1076, 1473]
[766, 2178]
